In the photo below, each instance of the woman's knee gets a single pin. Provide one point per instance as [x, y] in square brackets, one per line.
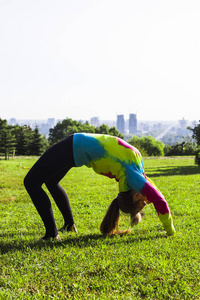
[31, 182]
[27, 181]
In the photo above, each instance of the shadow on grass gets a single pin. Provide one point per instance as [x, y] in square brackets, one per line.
[178, 170]
[82, 241]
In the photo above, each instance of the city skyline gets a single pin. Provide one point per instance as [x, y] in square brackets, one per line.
[97, 119]
[131, 125]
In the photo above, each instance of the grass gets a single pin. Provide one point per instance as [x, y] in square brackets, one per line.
[145, 264]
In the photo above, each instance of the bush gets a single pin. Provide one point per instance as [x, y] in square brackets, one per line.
[180, 149]
[196, 136]
[148, 145]
[197, 157]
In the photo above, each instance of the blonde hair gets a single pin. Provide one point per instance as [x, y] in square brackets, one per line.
[129, 202]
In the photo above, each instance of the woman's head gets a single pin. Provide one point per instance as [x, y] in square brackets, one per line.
[129, 202]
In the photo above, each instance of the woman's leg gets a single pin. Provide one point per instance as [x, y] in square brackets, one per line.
[54, 163]
[60, 197]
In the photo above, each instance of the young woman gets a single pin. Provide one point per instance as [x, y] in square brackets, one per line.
[107, 155]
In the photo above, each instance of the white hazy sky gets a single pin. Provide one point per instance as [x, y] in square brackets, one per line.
[85, 58]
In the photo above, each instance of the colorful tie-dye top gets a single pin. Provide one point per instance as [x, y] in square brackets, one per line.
[113, 157]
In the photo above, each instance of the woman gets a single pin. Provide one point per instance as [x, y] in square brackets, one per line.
[107, 155]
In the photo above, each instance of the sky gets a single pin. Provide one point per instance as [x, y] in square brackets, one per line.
[84, 58]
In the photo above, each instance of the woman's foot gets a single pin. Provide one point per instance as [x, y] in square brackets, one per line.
[72, 228]
[69, 228]
[47, 238]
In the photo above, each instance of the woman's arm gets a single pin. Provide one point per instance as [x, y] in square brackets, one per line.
[161, 206]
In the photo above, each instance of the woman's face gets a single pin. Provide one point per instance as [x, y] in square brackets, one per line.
[141, 204]
[140, 201]
[138, 196]
[131, 202]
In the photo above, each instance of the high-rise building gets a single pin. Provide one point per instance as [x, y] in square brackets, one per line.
[183, 123]
[94, 121]
[12, 121]
[182, 130]
[132, 123]
[51, 122]
[121, 123]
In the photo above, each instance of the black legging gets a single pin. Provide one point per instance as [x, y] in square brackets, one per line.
[50, 168]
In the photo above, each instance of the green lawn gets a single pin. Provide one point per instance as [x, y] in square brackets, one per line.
[145, 264]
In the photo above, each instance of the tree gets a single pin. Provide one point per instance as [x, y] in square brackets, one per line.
[86, 127]
[190, 148]
[148, 145]
[115, 132]
[21, 139]
[196, 136]
[184, 148]
[62, 129]
[68, 126]
[7, 142]
[104, 129]
[7, 139]
[23, 136]
[135, 141]
[37, 145]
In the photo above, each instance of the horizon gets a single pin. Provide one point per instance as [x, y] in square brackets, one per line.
[101, 120]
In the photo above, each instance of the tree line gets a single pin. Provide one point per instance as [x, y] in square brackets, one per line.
[23, 140]
[20, 140]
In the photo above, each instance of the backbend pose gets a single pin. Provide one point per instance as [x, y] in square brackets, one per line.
[107, 155]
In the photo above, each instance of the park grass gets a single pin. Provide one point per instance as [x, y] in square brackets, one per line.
[145, 264]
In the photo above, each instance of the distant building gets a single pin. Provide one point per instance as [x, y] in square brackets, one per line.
[157, 126]
[146, 128]
[121, 123]
[132, 123]
[12, 121]
[95, 121]
[51, 122]
[183, 124]
[182, 127]
[44, 128]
